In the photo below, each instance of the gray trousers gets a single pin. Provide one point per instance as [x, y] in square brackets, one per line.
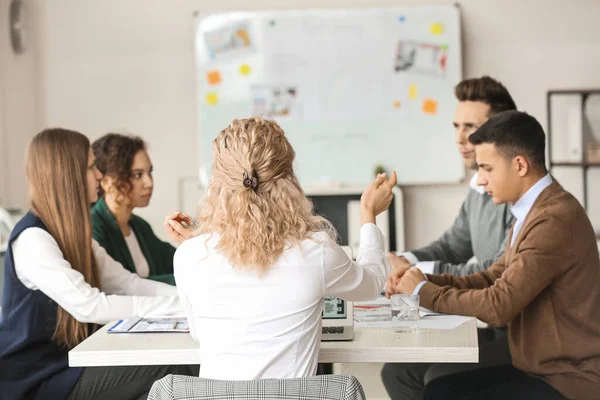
[407, 381]
[124, 383]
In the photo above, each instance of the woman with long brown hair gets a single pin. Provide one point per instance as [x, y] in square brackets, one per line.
[127, 184]
[59, 283]
[254, 278]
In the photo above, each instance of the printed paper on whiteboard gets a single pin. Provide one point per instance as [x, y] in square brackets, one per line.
[275, 102]
[422, 58]
[229, 42]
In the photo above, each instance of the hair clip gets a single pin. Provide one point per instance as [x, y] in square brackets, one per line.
[251, 181]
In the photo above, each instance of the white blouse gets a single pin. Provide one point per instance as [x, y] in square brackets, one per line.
[139, 260]
[269, 326]
[40, 265]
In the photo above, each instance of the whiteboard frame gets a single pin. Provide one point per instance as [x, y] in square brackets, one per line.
[199, 15]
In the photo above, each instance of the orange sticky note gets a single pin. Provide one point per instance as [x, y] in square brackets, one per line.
[212, 98]
[396, 104]
[429, 106]
[213, 77]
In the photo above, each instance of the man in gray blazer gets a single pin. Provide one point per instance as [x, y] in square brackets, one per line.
[480, 230]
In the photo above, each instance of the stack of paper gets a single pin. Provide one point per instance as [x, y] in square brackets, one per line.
[378, 314]
[373, 311]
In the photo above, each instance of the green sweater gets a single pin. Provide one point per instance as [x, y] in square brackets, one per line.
[107, 233]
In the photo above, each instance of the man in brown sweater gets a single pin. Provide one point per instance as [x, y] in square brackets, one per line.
[546, 286]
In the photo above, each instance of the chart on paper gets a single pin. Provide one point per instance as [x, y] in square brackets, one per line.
[139, 325]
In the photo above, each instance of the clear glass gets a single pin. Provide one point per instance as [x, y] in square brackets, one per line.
[405, 313]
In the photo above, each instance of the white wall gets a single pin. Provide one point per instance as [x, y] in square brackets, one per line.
[19, 105]
[127, 65]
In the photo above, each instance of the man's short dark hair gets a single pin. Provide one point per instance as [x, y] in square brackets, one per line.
[514, 133]
[488, 91]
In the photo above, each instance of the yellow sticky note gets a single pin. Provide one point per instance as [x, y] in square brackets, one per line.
[430, 106]
[396, 104]
[436, 29]
[245, 69]
[213, 77]
[212, 98]
[412, 92]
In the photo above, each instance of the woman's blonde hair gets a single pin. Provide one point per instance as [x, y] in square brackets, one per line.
[254, 201]
[56, 165]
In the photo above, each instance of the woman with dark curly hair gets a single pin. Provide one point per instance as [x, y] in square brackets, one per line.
[126, 184]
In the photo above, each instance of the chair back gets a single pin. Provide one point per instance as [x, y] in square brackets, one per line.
[321, 387]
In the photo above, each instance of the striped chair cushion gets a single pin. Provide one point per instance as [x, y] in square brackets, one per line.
[322, 387]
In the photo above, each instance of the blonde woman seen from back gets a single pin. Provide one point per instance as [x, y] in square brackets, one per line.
[254, 277]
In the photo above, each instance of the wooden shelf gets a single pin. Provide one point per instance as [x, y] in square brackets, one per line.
[574, 164]
[573, 91]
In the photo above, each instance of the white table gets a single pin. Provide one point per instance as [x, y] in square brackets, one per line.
[370, 345]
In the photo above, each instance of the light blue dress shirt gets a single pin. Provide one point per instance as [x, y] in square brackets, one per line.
[521, 208]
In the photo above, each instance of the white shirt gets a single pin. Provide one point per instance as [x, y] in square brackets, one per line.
[40, 265]
[521, 208]
[269, 326]
[427, 267]
[139, 260]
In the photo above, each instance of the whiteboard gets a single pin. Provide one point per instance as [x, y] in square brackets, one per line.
[352, 88]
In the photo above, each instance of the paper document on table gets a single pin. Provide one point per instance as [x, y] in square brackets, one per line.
[378, 314]
[442, 321]
[437, 321]
[379, 310]
[425, 312]
[373, 311]
[138, 325]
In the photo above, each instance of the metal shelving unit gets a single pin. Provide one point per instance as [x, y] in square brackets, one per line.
[583, 165]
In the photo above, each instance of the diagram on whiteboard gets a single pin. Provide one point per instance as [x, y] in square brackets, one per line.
[229, 41]
[424, 58]
[275, 102]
